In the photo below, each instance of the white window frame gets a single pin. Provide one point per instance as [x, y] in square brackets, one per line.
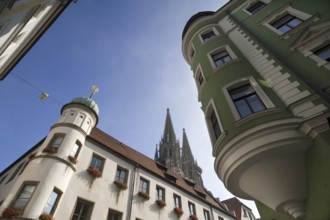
[250, 3]
[307, 18]
[190, 50]
[209, 29]
[240, 82]
[197, 73]
[208, 111]
[220, 49]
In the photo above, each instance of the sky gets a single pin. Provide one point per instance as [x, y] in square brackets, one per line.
[130, 49]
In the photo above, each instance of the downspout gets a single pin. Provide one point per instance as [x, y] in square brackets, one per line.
[292, 69]
[129, 211]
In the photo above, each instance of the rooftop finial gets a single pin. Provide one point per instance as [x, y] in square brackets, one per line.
[95, 89]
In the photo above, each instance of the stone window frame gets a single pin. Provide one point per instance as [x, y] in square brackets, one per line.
[118, 178]
[257, 88]
[199, 72]
[252, 3]
[219, 50]
[56, 202]
[119, 215]
[90, 206]
[20, 192]
[208, 111]
[207, 30]
[287, 9]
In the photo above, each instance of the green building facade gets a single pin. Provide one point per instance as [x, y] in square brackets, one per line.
[262, 70]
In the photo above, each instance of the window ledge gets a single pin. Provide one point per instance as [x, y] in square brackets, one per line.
[256, 115]
[216, 69]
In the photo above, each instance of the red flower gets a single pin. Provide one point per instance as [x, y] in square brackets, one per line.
[144, 195]
[51, 150]
[193, 217]
[46, 216]
[11, 212]
[94, 172]
[73, 159]
[161, 203]
[178, 211]
[120, 184]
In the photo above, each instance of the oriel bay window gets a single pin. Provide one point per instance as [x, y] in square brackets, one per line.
[246, 100]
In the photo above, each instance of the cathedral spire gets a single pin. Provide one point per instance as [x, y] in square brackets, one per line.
[189, 166]
[169, 147]
[168, 135]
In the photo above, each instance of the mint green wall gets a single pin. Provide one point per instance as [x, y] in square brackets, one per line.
[216, 80]
[319, 76]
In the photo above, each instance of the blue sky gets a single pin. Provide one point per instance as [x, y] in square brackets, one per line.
[131, 49]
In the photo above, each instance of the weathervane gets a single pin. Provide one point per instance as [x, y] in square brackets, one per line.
[95, 89]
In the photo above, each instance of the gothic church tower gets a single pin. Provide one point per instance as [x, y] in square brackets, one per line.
[169, 154]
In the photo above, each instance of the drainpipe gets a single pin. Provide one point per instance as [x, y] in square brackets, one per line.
[129, 211]
[212, 217]
[282, 59]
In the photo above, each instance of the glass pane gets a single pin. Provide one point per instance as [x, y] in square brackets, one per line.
[241, 92]
[294, 22]
[324, 53]
[256, 7]
[255, 103]
[56, 141]
[24, 196]
[51, 202]
[74, 150]
[243, 108]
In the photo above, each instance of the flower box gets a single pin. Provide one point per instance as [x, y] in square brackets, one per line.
[161, 203]
[11, 212]
[72, 159]
[178, 211]
[144, 195]
[51, 150]
[46, 216]
[193, 217]
[94, 172]
[120, 185]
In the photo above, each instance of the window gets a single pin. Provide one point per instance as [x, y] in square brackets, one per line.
[256, 7]
[192, 209]
[82, 210]
[97, 163]
[15, 173]
[160, 193]
[75, 149]
[245, 214]
[200, 79]
[208, 35]
[323, 52]
[207, 215]
[192, 52]
[52, 202]
[177, 201]
[220, 58]
[220, 218]
[3, 178]
[215, 125]
[24, 196]
[56, 141]
[246, 100]
[144, 186]
[121, 175]
[286, 23]
[114, 215]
